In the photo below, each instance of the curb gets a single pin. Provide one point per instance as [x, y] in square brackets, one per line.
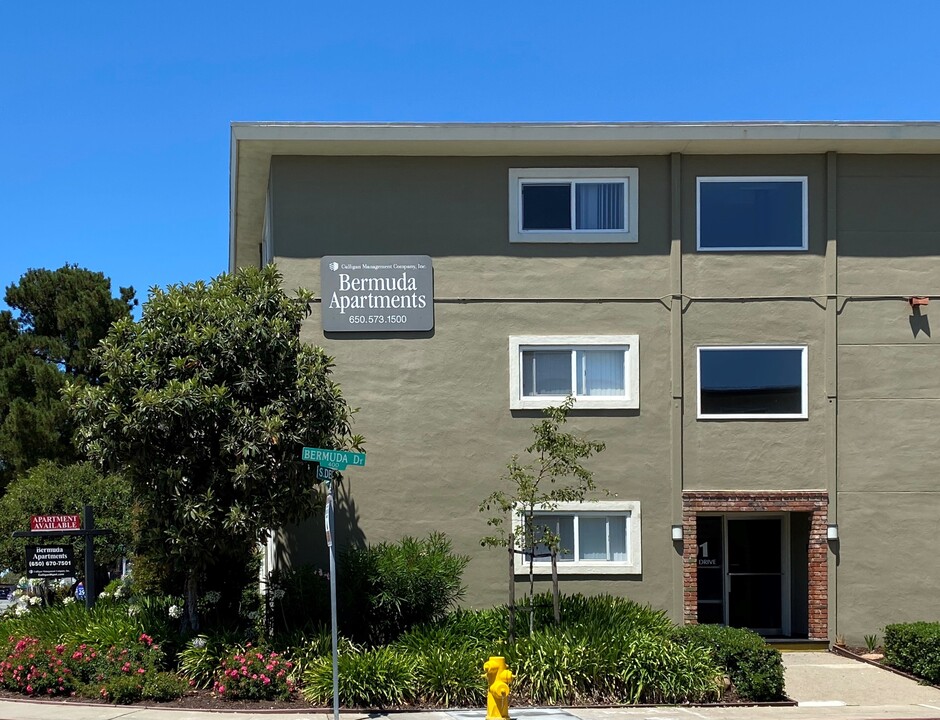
[381, 711]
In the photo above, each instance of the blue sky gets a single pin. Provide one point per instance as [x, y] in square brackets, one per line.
[114, 117]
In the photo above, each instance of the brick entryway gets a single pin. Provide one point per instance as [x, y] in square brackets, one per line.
[813, 502]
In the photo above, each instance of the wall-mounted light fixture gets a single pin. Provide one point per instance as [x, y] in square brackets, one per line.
[832, 531]
[677, 532]
[919, 304]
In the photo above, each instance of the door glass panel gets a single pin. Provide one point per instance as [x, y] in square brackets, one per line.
[754, 601]
[711, 591]
[754, 546]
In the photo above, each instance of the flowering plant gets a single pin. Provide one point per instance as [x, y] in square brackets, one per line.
[254, 674]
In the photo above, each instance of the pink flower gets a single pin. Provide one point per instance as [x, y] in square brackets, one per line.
[266, 680]
[140, 671]
[221, 689]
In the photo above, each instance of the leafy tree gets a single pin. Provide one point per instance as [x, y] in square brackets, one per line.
[554, 475]
[61, 316]
[50, 489]
[205, 406]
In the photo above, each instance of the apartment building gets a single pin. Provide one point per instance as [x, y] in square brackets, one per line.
[741, 312]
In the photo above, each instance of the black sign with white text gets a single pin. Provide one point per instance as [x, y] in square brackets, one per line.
[49, 561]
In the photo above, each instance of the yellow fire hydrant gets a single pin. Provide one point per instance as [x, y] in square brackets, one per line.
[498, 677]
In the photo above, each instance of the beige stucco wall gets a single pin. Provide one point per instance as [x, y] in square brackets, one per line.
[435, 408]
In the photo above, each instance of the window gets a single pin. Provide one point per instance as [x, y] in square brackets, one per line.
[599, 371]
[752, 213]
[753, 382]
[568, 205]
[595, 538]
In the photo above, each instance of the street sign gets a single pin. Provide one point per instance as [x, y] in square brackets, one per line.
[335, 459]
[324, 473]
[43, 523]
[49, 561]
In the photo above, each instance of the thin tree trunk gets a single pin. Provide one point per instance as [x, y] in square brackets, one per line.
[512, 590]
[191, 621]
[555, 597]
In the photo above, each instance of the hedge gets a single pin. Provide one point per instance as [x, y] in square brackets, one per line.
[914, 648]
[754, 667]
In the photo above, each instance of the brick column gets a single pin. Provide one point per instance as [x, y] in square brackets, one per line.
[814, 502]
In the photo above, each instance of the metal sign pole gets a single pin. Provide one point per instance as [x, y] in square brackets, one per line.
[328, 520]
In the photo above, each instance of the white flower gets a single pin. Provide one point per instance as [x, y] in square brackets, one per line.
[132, 610]
[20, 611]
[104, 595]
[34, 601]
[175, 611]
[68, 601]
[278, 593]
[118, 591]
[199, 642]
[252, 615]
[212, 597]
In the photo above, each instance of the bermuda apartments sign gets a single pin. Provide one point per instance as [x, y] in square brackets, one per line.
[377, 293]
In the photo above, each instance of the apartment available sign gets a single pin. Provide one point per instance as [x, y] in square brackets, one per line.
[40, 523]
[49, 561]
[377, 293]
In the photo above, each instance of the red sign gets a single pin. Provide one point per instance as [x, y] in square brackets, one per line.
[39, 523]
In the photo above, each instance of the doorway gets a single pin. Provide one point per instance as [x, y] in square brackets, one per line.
[744, 571]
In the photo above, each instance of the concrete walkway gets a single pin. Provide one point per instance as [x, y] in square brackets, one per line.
[819, 677]
[827, 687]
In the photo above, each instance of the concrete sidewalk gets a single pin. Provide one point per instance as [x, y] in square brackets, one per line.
[826, 686]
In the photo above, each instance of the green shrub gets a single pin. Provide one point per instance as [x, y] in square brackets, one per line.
[299, 599]
[254, 673]
[755, 668]
[914, 648]
[200, 660]
[120, 689]
[381, 677]
[164, 686]
[484, 626]
[451, 677]
[387, 588]
[593, 616]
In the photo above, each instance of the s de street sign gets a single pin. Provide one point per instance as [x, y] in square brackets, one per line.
[324, 473]
[335, 459]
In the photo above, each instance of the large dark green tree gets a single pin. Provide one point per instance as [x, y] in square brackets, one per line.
[58, 318]
[205, 406]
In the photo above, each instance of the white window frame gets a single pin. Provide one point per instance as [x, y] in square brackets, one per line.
[802, 179]
[602, 508]
[518, 176]
[630, 344]
[803, 415]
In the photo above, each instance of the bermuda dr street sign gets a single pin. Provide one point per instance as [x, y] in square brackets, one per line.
[335, 459]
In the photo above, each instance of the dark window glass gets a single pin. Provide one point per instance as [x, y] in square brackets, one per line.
[546, 206]
[751, 215]
[546, 372]
[766, 381]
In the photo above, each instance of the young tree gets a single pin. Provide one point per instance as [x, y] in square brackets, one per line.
[536, 487]
[61, 316]
[205, 406]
